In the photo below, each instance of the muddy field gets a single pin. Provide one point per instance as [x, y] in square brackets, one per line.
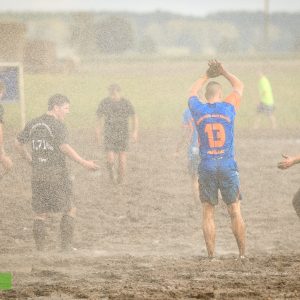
[143, 240]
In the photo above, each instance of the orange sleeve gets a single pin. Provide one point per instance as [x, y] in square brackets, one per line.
[234, 99]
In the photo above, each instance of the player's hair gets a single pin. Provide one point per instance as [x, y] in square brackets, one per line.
[57, 99]
[114, 88]
[211, 89]
[2, 86]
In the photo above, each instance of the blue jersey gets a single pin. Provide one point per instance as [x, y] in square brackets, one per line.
[188, 121]
[215, 126]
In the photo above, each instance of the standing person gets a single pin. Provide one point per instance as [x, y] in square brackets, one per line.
[4, 159]
[217, 169]
[287, 162]
[190, 135]
[51, 186]
[116, 111]
[266, 104]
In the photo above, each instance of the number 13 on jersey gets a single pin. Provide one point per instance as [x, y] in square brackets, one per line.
[216, 135]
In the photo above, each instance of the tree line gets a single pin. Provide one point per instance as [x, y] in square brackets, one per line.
[92, 33]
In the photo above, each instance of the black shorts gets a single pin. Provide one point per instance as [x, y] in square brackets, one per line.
[119, 144]
[52, 197]
[265, 109]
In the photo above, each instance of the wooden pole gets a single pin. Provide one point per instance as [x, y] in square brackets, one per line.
[22, 98]
[266, 25]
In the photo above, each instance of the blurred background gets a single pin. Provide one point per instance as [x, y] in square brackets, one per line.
[132, 41]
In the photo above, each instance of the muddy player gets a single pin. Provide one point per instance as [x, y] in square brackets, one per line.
[218, 169]
[189, 133]
[116, 111]
[51, 186]
[287, 162]
[4, 159]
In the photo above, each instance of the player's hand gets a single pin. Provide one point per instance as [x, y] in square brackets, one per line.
[215, 69]
[90, 165]
[6, 163]
[134, 136]
[286, 162]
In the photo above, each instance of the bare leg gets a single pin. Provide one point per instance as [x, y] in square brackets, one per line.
[122, 166]
[110, 165]
[273, 121]
[257, 122]
[39, 231]
[209, 230]
[238, 225]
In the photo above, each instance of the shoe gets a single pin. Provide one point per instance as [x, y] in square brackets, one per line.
[242, 258]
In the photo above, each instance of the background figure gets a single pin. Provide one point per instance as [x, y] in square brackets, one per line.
[266, 104]
[218, 170]
[190, 137]
[51, 186]
[115, 110]
[4, 159]
[287, 162]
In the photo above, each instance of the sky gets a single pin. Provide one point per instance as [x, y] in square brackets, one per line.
[184, 7]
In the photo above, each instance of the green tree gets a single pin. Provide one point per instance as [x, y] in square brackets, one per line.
[114, 35]
[147, 45]
[83, 33]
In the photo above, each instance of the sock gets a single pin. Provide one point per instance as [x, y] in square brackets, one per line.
[39, 234]
[120, 178]
[66, 231]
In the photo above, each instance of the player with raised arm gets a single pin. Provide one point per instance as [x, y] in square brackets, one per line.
[218, 169]
[51, 185]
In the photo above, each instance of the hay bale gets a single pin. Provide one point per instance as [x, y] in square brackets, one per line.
[40, 55]
[12, 37]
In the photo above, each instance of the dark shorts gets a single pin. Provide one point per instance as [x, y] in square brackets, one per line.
[215, 175]
[119, 144]
[296, 203]
[52, 197]
[265, 109]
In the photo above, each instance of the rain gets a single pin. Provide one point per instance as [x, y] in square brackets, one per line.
[108, 134]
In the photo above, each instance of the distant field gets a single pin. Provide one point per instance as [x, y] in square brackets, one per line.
[158, 90]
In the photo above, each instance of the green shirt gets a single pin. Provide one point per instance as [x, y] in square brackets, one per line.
[265, 91]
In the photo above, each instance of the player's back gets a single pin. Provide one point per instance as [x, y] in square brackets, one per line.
[215, 126]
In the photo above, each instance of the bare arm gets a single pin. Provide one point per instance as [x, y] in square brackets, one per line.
[72, 154]
[288, 161]
[4, 159]
[198, 85]
[135, 125]
[236, 83]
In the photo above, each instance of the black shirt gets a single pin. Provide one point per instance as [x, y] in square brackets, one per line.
[116, 114]
[46, 134]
